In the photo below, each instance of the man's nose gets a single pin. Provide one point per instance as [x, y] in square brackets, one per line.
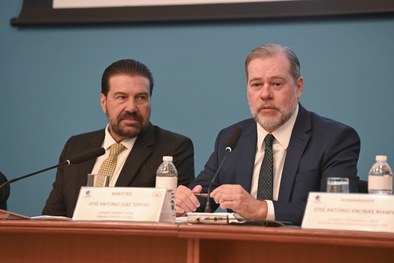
[131, 106]
[266, 92]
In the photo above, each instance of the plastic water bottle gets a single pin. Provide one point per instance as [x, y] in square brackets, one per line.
[380, 177]
[167, 177]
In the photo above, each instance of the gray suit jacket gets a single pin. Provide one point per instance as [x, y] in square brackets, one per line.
[139, 169]
[319, 148]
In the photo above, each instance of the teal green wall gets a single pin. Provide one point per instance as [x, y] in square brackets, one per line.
[50, 83]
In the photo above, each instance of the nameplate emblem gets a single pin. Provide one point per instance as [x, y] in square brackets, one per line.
[123, 204]
[363, 212]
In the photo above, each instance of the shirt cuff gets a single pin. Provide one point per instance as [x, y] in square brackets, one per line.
[271, 210]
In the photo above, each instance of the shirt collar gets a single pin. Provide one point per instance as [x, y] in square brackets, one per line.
[109, 140]
[282, 134]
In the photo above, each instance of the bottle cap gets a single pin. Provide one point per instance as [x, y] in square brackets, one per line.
[381, 158]
[167, 158]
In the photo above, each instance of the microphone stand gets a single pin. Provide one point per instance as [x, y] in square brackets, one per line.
[208, 203]
[232, 142]
[78, 158]
[34, 173]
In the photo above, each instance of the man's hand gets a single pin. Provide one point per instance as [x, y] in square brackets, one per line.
[185, 199]
[235, 197]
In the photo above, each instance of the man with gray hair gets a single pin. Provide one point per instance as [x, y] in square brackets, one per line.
[283, 153]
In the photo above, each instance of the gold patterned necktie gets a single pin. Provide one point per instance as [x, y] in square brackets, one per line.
[109, 164]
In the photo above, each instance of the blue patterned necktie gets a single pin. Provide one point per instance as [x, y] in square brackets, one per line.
[265, 186]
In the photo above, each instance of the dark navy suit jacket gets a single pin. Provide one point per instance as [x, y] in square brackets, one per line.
[139, 169]
[4, 192]
[319, 148]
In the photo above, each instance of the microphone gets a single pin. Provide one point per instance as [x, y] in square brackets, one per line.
[85, 156]
[76, 159]
[231, 143]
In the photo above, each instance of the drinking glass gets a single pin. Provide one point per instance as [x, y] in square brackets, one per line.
[337, 185]
[98, 180]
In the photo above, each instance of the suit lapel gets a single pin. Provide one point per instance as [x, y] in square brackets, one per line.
[140, 152]
[298, 141]
[245, 158]
[86, 167]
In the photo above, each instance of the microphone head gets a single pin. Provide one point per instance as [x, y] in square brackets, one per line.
[90, 154]
[233, 139]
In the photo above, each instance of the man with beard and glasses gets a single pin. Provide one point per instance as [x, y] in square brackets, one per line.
[126, 90]
[303, 148]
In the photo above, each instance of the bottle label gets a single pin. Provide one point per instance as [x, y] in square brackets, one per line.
[170, 183]
[378, 182]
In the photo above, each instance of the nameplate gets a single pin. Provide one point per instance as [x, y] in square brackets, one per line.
[363, 212]
[123, 204]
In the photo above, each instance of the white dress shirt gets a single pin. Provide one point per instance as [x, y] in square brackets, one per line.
[108, 141]
[279, 146]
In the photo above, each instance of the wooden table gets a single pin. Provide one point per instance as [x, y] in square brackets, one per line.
[263, 244]
[64, 241]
